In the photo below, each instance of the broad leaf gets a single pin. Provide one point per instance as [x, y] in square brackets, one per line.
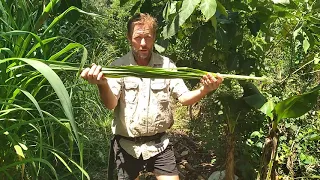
[252, 96]
[200, 38]
[297, 106]
[267, 109]
[208, 8]
[185, 12]
[257, 100]
[166, 11]
[222, 9]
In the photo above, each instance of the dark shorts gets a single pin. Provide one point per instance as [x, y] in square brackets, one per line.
[129, 168]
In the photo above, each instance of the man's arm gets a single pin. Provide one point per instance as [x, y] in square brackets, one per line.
[109, 100]
[94, 76]
[209, 84]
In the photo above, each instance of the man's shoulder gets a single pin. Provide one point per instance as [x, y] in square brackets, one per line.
[122, 61]
[164, 59]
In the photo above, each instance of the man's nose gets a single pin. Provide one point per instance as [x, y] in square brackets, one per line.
[143, 42]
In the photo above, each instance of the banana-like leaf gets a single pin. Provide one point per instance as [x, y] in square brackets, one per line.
[268, 108]
[297, 106]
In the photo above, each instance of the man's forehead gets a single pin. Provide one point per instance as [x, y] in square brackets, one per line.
[142, 28]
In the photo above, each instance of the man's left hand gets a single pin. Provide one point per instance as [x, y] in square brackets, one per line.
[211, 83]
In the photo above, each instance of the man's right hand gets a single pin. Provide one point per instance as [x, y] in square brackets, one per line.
[94, 75]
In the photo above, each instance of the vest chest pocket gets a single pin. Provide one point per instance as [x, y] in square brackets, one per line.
[160, 89]
[131, 90]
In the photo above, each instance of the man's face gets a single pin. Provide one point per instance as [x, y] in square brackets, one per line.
[142, 41]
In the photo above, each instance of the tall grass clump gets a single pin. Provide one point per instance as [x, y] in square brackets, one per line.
[39, 138]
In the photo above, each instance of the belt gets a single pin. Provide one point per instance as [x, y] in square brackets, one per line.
[142, 139]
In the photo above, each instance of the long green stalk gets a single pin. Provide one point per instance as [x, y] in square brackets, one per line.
[149, 72]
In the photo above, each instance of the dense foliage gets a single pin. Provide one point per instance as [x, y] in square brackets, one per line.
[270, 129]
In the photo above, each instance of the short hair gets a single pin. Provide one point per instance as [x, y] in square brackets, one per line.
[143, 18]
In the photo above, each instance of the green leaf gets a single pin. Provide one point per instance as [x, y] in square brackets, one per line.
[50, 6]
[315, 29]
[306, 45]
[314, 20]
[297, 106]
[20, 33]
[316, 60]
[62, 160]
[135, 7]
[159, 48]
[11, 54]
[123, 2]
[166, 11]
[222, 9]
[61, 16]
[200, 38]
[185, 12]
[297, 30]
[34, 101]
[36, 46]
[255, 134]
[57, 85]
[208, 8]
[252, 96]
[146, 7]
[313, 137]
[3, 168]
[310, 37]
[267, 109]
[214, 23]
[256, 100]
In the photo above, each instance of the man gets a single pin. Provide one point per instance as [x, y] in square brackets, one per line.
[141, 105]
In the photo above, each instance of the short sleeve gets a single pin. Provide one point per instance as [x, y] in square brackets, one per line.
[115, 84]
[177, 86]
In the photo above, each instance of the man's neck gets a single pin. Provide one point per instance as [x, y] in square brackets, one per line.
[142, 62]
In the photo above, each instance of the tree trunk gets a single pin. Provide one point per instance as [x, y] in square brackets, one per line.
[230, 156]
[268, 159]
